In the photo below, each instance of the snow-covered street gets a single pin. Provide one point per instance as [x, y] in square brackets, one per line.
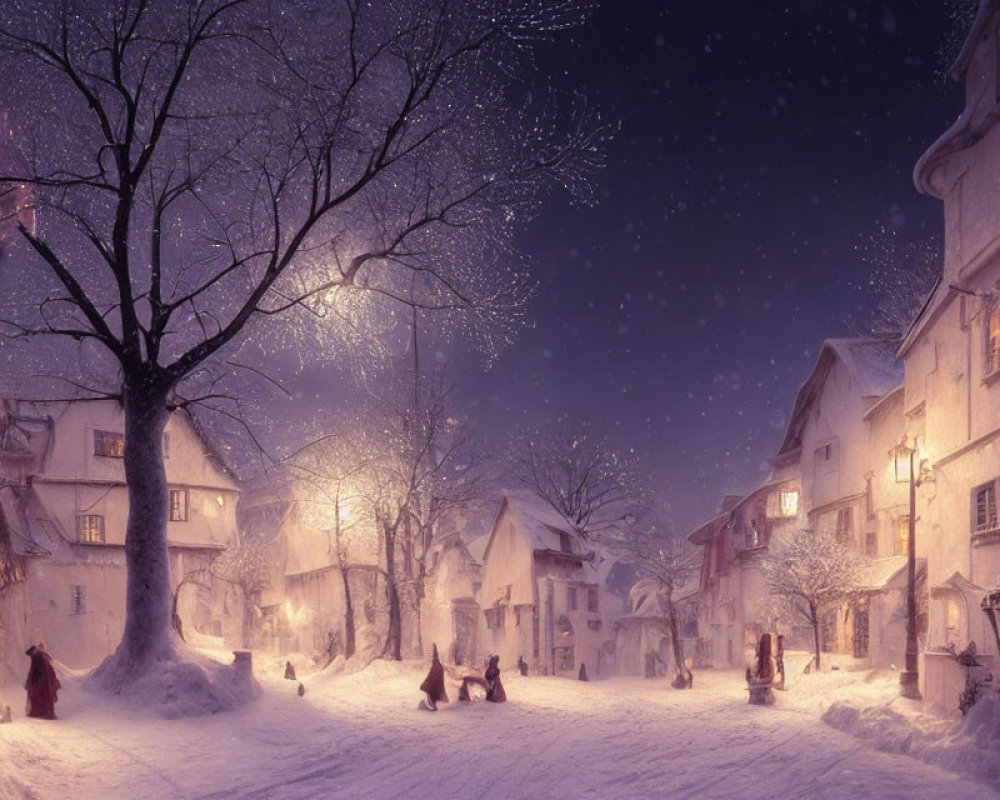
[362, 736]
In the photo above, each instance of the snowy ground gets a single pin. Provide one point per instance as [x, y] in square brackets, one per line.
[362, 736]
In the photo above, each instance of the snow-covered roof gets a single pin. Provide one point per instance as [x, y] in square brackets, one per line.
[539, 520]
[548, 532]
[476, 546]
[644, 597]
[871, 364]
[880, 572]
[978, 116]
[706, 530]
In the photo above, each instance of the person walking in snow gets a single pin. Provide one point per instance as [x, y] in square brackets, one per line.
[494, 690]
[41, 684]
[433, 685]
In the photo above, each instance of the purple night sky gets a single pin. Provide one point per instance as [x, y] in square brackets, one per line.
[759, 148]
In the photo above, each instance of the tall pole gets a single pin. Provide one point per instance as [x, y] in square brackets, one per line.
[909, 677]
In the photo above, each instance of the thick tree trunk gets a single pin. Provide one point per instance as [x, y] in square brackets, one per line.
[149, 633]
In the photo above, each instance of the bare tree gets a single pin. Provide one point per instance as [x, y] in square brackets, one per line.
[594, 488]
[670, 561]
[201, 170]
[246, 565]
[812, 572]
[411, 468]
[902, 276]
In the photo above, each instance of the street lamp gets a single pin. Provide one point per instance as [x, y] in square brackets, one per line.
[909, 677]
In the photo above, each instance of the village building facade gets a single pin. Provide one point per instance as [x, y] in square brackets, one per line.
[733, 601]
[952, 387]
[642, 636]
[64, 507]
[543, 595]
[834, 472]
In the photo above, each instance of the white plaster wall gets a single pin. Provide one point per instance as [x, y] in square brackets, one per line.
[79, 640]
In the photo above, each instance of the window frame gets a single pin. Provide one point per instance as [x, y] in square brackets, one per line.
[902, 535]
[85, 532]
[572, 598]
[593, 600]
[102, 444]
[185, 513]
[785, 509]
[991, 339]
[845, 524]
[78, 598]
[991, 524]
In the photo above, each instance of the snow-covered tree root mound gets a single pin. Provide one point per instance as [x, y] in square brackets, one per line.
[178, 682]
[969, 746]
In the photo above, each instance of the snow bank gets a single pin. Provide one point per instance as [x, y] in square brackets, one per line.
[968, 746]
[187, 684]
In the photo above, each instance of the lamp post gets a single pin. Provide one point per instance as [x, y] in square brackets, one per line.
[909, 676]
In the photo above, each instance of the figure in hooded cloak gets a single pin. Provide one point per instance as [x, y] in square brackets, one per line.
[433, 685]
[494, 688]
[42, 684]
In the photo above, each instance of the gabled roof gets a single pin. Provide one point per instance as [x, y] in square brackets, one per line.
[704, 532]
[644, 598]
[871, 364]
[879, 571]
[544, 527]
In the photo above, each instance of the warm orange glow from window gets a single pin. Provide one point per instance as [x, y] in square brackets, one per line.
[790, 503]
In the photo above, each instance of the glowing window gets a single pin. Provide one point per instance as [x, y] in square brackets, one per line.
[902, 536]
[789, 503]
[90, 528]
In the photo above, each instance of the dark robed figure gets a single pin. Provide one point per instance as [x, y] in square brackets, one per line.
[433, 685]
[494, 692]
[42, 684]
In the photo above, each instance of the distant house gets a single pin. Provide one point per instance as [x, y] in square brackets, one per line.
[642, 636]
[450, 611]
[542, 595]
[64, 506]
[733, 599]
[304, 604]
